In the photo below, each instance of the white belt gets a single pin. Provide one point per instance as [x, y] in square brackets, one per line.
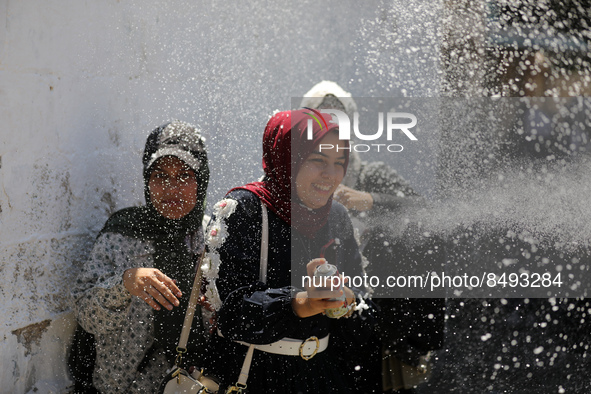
[306, 348]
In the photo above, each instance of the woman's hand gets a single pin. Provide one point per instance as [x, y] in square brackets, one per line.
[316, 300]
[152, 286]
[353, 199]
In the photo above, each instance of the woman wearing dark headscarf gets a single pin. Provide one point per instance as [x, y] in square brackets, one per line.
[279, 316]
[133, 292]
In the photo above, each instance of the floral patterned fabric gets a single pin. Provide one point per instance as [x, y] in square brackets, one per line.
[122, 324]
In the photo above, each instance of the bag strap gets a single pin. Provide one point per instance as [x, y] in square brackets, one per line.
[184, 338]
[264, 245]
[243, 377]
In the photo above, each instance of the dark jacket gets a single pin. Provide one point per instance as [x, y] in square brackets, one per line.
[262, 313]
[408, 327]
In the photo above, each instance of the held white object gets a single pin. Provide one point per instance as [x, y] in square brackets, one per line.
[329, 270]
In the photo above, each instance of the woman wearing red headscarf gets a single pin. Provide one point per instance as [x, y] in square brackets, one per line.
[298, 347]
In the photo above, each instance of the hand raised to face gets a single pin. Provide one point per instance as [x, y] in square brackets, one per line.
[353, 199]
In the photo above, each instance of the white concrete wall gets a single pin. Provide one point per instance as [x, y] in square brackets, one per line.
[81, 85]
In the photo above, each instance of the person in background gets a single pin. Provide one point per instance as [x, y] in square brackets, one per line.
[370, 188]
[132, 294]
[306, 229]
[372, 191]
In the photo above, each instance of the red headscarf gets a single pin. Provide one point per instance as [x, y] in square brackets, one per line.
[285, 148]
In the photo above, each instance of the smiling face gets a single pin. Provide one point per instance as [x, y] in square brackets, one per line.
[173, 187]
[321, 172]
